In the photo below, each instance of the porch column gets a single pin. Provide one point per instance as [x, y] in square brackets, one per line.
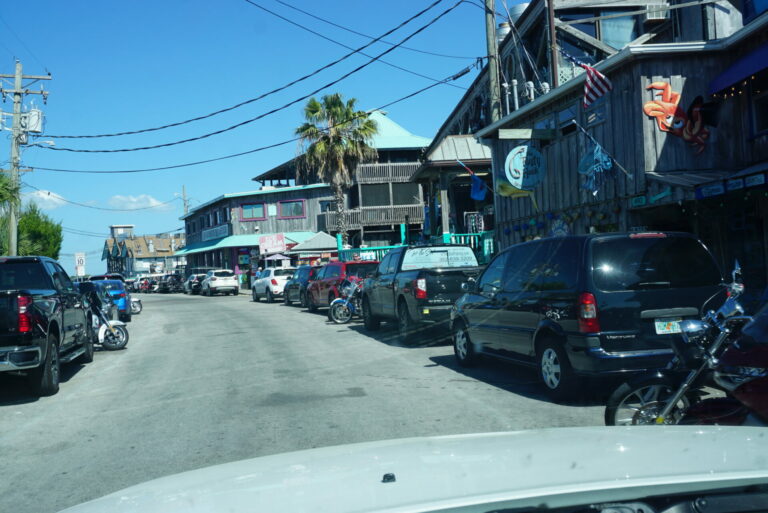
[445, 206]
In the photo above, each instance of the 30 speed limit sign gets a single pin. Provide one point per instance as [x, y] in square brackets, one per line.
[80, 264]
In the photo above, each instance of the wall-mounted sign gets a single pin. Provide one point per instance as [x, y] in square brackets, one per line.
[710, 190]
[215, 233]
[243, 259]
[638, 201]
[755, 180]
[734, 184]
[274, 243]
[663, 194]
[524, 167]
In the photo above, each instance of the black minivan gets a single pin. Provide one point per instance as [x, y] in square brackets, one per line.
[588, 305]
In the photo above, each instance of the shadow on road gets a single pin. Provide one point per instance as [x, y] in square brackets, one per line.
[14, 388]
[524, 381]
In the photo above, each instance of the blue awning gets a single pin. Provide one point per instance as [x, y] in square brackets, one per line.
[741, 69]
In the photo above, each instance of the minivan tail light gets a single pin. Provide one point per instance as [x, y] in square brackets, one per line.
[588, 320]
[273, 281]
[25, 320]
[420, 288]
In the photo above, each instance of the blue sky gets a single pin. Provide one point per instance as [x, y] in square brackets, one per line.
[121, 66]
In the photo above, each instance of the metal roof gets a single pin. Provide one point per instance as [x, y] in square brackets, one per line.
[392, 136]
[321, 241]
[241, 241]
[459, 147]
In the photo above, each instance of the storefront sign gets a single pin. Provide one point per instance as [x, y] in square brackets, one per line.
[215, 233]
[271, 243]
[734, 184]
[638, 201]
[524, 168]
[755, 180]
[710, 190]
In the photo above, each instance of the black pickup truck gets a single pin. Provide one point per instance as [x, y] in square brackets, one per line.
[43, 321]
[417, 285]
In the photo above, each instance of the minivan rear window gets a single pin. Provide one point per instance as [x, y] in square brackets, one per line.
[224, 274]
[652, 263]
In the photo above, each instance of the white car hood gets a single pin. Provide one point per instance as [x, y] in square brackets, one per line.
[553, 467]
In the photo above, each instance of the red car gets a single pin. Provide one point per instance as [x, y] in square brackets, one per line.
[324, 289]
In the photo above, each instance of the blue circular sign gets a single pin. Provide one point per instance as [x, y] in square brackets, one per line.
[525, 167]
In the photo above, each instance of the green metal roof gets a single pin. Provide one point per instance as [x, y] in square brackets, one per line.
[253, 193]
[241, 241]
[392, 136]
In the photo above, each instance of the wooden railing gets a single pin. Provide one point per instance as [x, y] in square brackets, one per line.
[385, 172]
[376, 216]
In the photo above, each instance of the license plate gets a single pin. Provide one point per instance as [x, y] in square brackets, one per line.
[667, 326]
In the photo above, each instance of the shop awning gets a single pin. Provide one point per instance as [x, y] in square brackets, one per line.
[743, 68]
[690, 179]
[240, 241]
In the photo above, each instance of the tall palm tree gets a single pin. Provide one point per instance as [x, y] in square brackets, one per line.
[335, 138]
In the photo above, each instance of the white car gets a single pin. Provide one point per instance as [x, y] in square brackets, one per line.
[653, 469]
[271, 283]
[218, 281]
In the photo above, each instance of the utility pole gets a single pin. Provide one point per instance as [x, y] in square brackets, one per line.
[552, 43]
[18, 92]
[184, 199]
[493, 60]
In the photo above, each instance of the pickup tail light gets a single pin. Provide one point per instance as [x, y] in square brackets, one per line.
[273, 281]
[588, 319]
[25, 320]
[420, 288]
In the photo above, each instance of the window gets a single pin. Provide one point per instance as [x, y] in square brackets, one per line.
[759, 95]
[405, 194]
[521, 271]
[565, 118]
[383, 266]
[332, 271]
[327, 206]
[374, 195]
[217, 217]
[290, 209]
[438, 256]
[24, 275]
[66, 283]
[490, 281]
[618, 32]
[558, 265]
[588, 27]
[595, 114]
[252, 211]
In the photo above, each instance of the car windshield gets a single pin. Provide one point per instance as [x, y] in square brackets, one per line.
[224, 274]
[652, 262]
[440, 256]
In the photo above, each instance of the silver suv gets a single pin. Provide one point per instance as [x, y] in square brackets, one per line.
[219, 281]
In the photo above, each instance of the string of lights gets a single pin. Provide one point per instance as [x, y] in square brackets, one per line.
[257, 98]
[453, 77]
[265, 114]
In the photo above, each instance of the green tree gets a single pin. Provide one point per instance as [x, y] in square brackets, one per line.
[38, 234]
[335, 138]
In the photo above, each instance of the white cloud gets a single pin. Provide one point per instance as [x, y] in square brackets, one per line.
[140, 201]
[46, 200]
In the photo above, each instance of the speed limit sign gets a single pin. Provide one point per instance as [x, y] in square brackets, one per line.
[80, 264]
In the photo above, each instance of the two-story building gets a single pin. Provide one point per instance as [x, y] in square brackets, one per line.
[131, 255]
[381, 197]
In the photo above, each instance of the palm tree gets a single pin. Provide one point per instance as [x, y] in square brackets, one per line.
[334, 139]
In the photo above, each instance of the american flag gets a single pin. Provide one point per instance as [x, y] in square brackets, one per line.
[596, 84]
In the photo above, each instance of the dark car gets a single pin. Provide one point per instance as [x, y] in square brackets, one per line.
[591, 305]
[295, 290]
[325, 287]
[107, 304]
[193, 283]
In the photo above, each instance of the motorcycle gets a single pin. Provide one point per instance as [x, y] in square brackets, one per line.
[110, 334]
[136, 306]
[343, 308]
[725, 353]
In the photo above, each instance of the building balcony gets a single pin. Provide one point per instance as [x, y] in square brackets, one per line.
[385, 172]
[377, 216]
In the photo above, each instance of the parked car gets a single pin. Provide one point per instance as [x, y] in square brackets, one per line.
[325, 287]
[589, 305]
[295, 290]
[170, 283]
[108, 305]
[193, 283]
[417, 286]
[219, 281]
[43, 321]
[121, 297]
[108, 276]
[271, 283]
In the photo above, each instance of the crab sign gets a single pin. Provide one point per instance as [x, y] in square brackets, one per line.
[674, 120]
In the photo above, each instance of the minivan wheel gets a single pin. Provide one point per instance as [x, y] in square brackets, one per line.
[554, 370]
[463, 348]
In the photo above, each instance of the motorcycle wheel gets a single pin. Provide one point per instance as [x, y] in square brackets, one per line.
[640, 402]
[115, 342]
[136, 308]
[340, 313]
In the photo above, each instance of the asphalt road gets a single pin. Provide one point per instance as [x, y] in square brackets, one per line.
[211, 380]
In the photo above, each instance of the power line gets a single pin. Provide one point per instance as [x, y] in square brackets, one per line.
[247, 152]
[30, 52]
[260, 97]
[329, 22]
[270, 112]
[346, 46]
[102, 208]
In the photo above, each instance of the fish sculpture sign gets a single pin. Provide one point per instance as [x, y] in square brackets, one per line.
[672, 119]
